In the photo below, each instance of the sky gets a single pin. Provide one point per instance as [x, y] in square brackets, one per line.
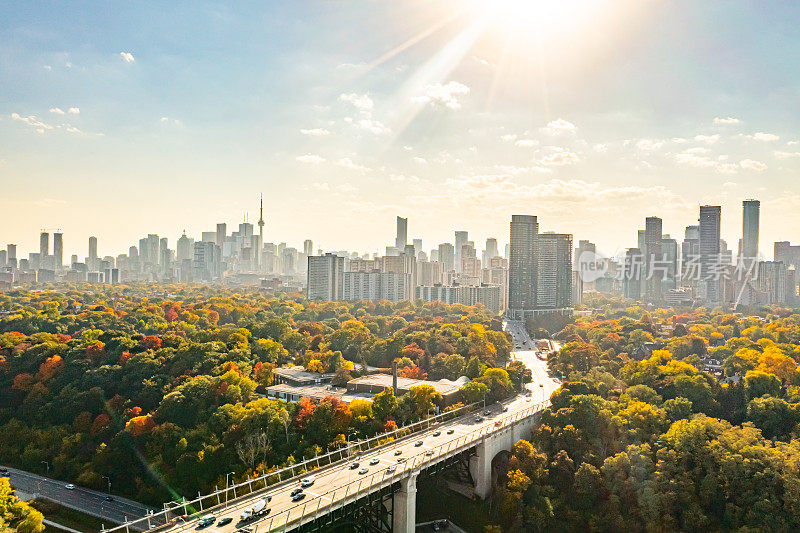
[119, 119]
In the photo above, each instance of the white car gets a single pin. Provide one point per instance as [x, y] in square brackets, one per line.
[69, 486]
[307, 481]
[374, 461]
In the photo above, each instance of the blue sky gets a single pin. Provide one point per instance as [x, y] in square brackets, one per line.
[121, 119]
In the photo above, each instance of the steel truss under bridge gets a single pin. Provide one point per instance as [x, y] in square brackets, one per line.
[371, 514]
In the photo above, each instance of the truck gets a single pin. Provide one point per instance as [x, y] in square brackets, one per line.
[257, 509]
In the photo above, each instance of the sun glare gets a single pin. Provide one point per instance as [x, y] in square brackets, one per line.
[534, 15]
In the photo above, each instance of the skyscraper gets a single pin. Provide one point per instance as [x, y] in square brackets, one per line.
[750, 221]
[401, 239]
[461, 239]
[58, 250]
[653, 257]
[447, 256]
[553, 271]
[308, 247]
[92, 259]
[44, 245]
[490, 250]
[222, 232]
[522, 265]
[710, 220]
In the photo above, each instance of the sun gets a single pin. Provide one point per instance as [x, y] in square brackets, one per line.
[541, 16]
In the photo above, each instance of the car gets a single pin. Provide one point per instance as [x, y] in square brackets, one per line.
[355, 465]
[207, 520]
[505, 408]
[69, 486]
[307, 481]
[429, 453]
[109, 499]
[398, 452]
[374, 461]
[541, 384]
[363, 471]
[487, 413]
[498, 423]
[299, 496]
[451, 431]
[391, 469]
[401, 459]
[479, 418]
[3, 470]
[418, 443]
[295, 492]
[437, 433]
[225, 521]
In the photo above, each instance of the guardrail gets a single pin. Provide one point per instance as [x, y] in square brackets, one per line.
[245, 489]
[283, 520]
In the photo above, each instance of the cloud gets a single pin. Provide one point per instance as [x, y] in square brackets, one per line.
[698, 157]
[74, 111]
[785, 155]
[648, 145]
[321, 186]
[446, 95]
[560, 127]
[31, 120]
[420, 160]
[57, 110]
[47, 67]
[750, 164]
[404, 178]
[73, 129]
[346, 162]
[310, 159]
[559, 157]
[709, 139]
[765, 137]
[127, 57]
[373, 126]
[362, 102]
[527, 143]
[726, 121]
[50, 202]
[315, 132]
[508, 137]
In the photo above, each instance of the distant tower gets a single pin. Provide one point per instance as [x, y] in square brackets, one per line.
[58, 249]
[260, 246]
[261, 220]
[750, 216]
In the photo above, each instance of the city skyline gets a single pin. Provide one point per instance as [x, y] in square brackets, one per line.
[428, 117]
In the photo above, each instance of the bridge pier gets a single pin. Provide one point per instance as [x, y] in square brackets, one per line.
[480, 467]
[404, 514]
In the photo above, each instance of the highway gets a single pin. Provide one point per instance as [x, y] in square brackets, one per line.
[343, 482]
[87, 501]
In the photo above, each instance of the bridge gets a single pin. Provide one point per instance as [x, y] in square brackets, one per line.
[380, 493]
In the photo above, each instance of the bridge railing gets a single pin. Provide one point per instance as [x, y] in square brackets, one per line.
[356, 489]
[176, 511]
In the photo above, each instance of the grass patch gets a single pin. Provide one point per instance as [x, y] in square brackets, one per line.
[67, 517]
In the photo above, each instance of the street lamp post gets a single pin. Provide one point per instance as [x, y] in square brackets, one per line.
[47, 465]
[226, 487]
[108, 479]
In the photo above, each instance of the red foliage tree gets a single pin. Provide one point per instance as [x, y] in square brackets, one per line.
[151, 342]
[413, 372]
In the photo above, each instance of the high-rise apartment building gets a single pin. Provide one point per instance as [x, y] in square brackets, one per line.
[710, 220]
[772, 281]
[44, 245]
[325, 277]
[461, 239]
[554, 271]
[522, 265]
[308, 247]
[185, 248]
[750, 222]
[58, 250]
